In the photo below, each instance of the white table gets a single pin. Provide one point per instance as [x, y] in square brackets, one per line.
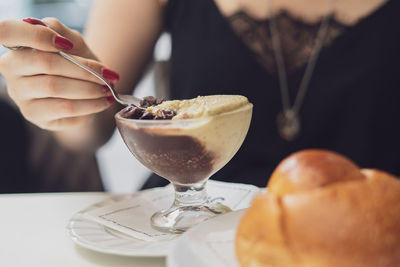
[33, 233]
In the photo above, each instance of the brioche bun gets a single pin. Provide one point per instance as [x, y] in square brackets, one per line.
[322, 210]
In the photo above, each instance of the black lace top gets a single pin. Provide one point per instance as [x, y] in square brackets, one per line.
[352, 104]
[297, 38]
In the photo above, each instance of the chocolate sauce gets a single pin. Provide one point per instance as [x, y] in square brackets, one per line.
[139, 113]
[178, 158]
[149, 101]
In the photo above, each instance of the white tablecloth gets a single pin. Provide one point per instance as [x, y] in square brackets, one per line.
[33, 233]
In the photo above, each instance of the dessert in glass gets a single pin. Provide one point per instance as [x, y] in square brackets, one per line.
[186, 142]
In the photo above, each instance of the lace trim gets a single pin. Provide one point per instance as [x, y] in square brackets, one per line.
[297, 38]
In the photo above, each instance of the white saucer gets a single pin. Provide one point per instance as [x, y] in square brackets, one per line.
[102, 239]
[208, 244]
[119, 236]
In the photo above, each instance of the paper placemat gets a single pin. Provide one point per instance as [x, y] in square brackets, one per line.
[132, 215]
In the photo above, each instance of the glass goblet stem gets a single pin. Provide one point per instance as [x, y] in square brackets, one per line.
[191, 207]
[190, 195]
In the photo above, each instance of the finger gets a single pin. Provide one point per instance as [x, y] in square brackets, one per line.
[80, 48]
[49, 109]
[30, 62]
[20, 33]
[47, 86]
[65, 123]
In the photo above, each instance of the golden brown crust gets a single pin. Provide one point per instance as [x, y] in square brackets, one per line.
[260, 238]
[346, 223]
[307, 169]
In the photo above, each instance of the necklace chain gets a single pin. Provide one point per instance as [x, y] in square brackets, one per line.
[288, 120]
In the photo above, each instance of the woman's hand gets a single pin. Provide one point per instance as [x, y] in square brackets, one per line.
[50, 91]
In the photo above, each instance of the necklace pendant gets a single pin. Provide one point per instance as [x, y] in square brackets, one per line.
[288, 124]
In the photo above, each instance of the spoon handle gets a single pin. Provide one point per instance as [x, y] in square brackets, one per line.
[98, 76]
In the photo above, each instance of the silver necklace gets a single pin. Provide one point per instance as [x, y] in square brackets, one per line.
[288, 121]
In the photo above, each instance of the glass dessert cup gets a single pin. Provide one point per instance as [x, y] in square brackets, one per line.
[186, 152]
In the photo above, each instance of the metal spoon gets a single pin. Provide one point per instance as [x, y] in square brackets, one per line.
[125, 100]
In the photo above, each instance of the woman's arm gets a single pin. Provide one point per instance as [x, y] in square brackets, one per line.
[122, 35]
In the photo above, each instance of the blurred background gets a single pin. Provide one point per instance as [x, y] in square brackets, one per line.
[119, 170]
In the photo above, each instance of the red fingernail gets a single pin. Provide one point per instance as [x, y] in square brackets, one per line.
[110, 75]
[63, 43]
[107, 91]
[34, 21]
[110, 99]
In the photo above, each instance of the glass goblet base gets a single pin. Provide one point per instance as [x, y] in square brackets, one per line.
[191, 207]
